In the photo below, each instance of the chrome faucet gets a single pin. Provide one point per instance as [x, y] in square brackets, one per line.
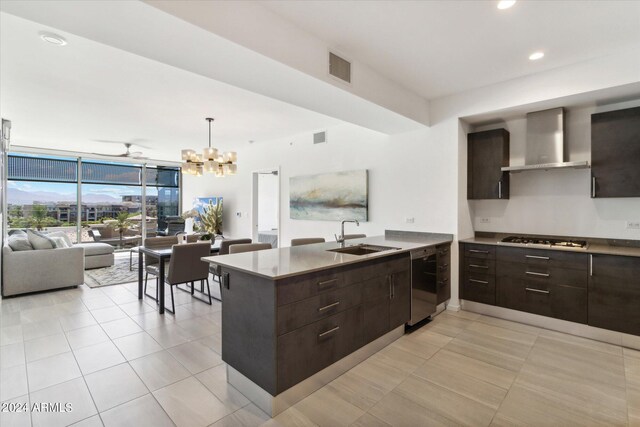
[340, 239]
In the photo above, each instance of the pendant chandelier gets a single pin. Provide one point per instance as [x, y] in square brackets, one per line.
[210, 161]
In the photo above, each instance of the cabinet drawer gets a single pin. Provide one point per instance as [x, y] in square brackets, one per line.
[615, 266]
[561, 302]
[555, 258]
[307, 350]
[297, 288]
[480, 266]
[377, 268]
[543, 274]
[479, 288]
[443, 250]
[479, 251]
[298, 314]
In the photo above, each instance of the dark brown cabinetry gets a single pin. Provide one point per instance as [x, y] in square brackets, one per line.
[549, 283]
[487, 152]
[615, 153]
[614, 293]
[280, 332]
[477, 271]
[443, 275]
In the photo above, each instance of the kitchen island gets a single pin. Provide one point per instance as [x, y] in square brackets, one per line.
[293, 319]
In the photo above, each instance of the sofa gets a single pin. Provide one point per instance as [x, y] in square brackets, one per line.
[40, 270]
[96, 255]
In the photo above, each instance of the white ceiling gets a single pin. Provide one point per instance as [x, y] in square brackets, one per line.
[67, 97]
[437, 48]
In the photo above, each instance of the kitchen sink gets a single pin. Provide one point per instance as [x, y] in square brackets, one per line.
[362, 249]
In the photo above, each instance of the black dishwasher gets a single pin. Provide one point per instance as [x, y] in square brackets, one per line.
[424, 286]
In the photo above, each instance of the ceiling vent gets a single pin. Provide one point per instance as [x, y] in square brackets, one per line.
[339, 67]
[320, 137]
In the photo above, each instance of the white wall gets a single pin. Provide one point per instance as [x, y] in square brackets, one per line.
[407, 178]
[267, 201]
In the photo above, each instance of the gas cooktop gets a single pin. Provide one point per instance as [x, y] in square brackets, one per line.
[537, 241]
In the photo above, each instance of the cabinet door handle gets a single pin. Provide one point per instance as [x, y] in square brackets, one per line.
[484, 282]
[539, 291]
[590, 264]
[476, 251]
[322, 334]
[593, 186]
[327, 307]
[533, 273]
[326, 282]
[444, 266]
[537, 257]
[500, 189]
[478, 266]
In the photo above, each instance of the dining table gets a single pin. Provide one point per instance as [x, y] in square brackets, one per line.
[162, 254]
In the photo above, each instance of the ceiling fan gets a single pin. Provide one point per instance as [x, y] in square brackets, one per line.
[127, 154]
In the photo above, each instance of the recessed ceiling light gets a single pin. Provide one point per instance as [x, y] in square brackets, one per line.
[53, 38]
[506, 4]
[536, 55]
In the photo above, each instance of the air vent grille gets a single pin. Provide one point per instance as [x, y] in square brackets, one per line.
[339, 67]
[319, 137]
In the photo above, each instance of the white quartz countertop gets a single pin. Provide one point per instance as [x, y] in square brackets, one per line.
[290, 261]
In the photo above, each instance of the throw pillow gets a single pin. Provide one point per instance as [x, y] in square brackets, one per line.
[60, 242]
[39, 240]
[65, 236]
[19, 242]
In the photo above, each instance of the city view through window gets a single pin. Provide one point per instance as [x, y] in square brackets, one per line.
[42, 194]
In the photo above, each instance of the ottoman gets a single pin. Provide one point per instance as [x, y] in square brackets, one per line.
[96, 255]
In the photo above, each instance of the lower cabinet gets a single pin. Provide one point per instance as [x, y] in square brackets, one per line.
[387, 303]
[614, 293]
[443, 275]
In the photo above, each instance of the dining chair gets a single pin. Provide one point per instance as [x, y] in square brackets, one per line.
[306, 241]
[354, 236]
[224, 250]
[186, 266]
[151, 264]
[249, 247]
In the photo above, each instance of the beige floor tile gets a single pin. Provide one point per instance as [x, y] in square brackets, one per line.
[393, 356]
[417, 344]
[51, 371]
[11, 335]
[503, 333]
[159, 370]
[39, 314]
[326, 408]
[84, 337]
[600, 401]
[73, 392]
[142, 412]
[19, 415]
[248, 416]
[94, 421]
[215, 379]
[120, 328]
[469, 315]
[629, 352]
[137, 307]
[108, 314]
[77, 321]
[9, 319]
[532, 408]
[449, 325]
[97, 357]
[467, 386]
[495, 351]
[473, 368]
[214, 342]
[113, 386]
[71, 307]
[198, 327]
[290, 418]
[398, 411]
[579, 361]
[152, 320]
[190, 404]
[32, 331]
[98, 302]
[368, 420]
[13, 382]
[12, 355]
[137, 345]
[507, 324]
[582, 342]
[195, 356]
[170, 335]
[45, 347]
[445, 402]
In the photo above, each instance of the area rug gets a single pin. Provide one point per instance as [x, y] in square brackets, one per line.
[117, 274]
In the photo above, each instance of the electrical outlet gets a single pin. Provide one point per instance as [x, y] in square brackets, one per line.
[485, 220]
[633, 225]
[410, 220]
[238, 214]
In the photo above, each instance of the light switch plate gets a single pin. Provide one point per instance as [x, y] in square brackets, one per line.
[485, 220]
[633, 225]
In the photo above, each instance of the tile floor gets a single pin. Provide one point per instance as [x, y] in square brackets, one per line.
[119, 363]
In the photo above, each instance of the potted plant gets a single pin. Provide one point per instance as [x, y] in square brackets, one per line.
[211, 220]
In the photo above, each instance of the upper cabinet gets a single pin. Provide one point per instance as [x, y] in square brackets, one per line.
[615, 153]
[488, 152]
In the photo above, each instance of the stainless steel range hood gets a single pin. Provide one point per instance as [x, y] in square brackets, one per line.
[545, 147]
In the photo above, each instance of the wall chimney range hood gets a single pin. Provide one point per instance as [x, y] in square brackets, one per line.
[545, 146]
